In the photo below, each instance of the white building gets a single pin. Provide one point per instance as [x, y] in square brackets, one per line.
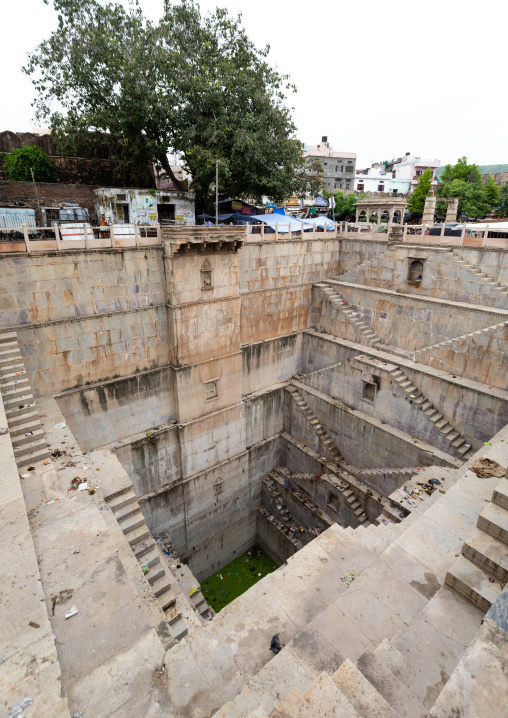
[410, 167]
[375, 179]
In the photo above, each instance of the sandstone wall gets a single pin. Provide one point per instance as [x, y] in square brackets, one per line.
[443, 277]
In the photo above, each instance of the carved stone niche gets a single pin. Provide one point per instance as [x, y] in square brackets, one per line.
[206, 276]
[211, 390]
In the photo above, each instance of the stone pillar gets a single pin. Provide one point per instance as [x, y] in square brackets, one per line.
[453, 208]
[429, 210]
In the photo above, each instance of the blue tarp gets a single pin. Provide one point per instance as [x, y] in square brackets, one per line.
[282, 222]
[278, 210]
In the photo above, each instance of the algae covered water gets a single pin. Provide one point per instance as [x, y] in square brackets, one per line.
[234, 579]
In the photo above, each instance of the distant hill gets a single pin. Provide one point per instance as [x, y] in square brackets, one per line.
[484, 169]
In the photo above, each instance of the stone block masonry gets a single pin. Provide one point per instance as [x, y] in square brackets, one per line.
[49, 193]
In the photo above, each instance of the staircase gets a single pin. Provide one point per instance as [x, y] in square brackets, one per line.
[350, 274]
[127, 512]
[489, 281]
[481, 572]
[397, 474]
[350, 315]
[453, 437]
[323, 436]
[449, 342]
[338, 482]
[28, 438]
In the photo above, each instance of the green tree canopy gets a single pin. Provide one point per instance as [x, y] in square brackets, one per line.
[502, 207]
[345, 202]
[191, 83]
[19, 161]
[492, 192]
[416, 201]
[465, 181]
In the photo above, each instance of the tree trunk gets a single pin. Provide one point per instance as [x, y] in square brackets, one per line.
[167, 167]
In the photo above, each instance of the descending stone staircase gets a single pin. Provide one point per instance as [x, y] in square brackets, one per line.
[307, 378]
[456, 441]
[323, 436]
[126, 509]
[350, 315]
[400, 475]
[339, 483]
[449, 342]
[473, 269]
[28, 438]
[350, 274]
[481, 572]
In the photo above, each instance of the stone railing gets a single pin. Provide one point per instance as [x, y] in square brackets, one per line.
[78, 236]
[285, 230]
[464, 235]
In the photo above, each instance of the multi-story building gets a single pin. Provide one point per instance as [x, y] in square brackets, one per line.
[410, 167]
[378, 179]
[339, 167]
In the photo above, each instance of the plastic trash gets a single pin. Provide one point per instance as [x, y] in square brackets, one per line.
[17, 709]
[61, 425]
[83, 486]
[71, 613]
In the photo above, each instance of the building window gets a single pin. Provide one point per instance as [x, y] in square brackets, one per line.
[381, 188]
[415, 270]
[338, 168]
[395, 191]
[361, 186]
[350, 162]
[349, 169]
[165, 198]
[348, 185]
[121, 198]
[337, 184]
[369, 391]
[217, 487]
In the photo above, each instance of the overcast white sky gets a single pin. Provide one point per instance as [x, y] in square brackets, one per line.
[379, 78]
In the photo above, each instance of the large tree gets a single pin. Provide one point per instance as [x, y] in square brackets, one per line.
[464, 180]
[191, 83]
[502, 208]
[416, 201]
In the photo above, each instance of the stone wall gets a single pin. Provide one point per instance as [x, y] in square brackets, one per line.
[442, 278]
[273, 542]
[399, 320]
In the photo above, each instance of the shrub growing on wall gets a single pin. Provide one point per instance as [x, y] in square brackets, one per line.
[19, 161]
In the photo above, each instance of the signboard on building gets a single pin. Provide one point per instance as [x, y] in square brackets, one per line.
[145, 202]
[235, 204]
[246, 210]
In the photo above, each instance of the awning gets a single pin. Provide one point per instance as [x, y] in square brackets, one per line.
[282, 222]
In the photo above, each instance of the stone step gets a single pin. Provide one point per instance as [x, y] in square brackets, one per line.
[8, 337]
[132, 524]
[124, 499]
[172, 614]
[494, 521]
[325, 700]
[362, 695]
[153, 577]
[16, 415]
[14, 403]
[11, 367]
[179, 629]
[137, 535]
[500, 494]
[21, 439]
[29, 459]
[398, 697]
[151, 561]
[37, 444]
[163, 589]
[487, 553]
[144, 548]
[473, 583]
[12, 381]
[126, 511]
[22, 428]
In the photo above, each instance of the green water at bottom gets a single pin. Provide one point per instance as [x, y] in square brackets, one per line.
[222, 587]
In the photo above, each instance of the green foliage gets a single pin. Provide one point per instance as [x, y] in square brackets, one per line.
[492, 192]
[502, 207]
[465, 181]
[19, 161]
[190, 83]
[345, 203]
[416, 201]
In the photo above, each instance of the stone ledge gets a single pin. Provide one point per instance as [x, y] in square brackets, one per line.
[484, 309]
[52, 322]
